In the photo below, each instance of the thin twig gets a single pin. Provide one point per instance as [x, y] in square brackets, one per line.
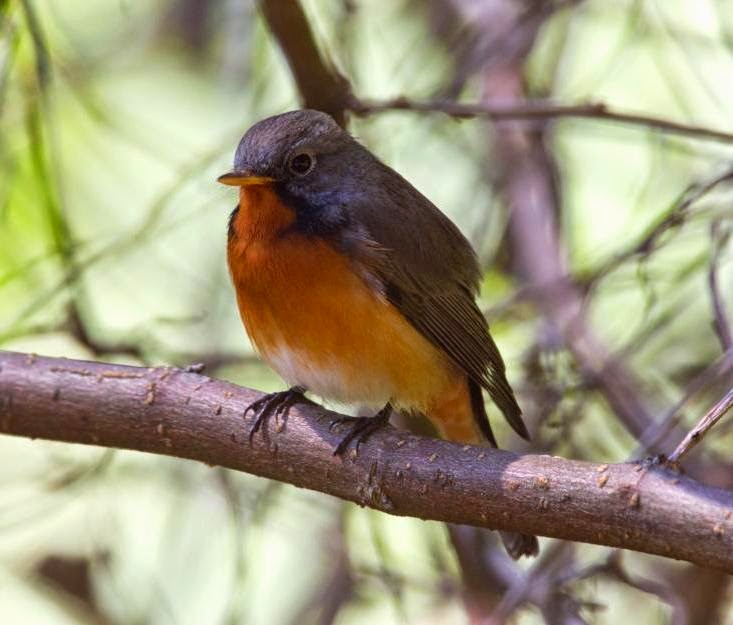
[721, 322]
[613, 568]
[696, 434]
[656, 433]
[539, 110]
[40, 45]
[535, 585]
[673, 218]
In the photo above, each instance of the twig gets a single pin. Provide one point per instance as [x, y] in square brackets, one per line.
[539, 110]
[720, 318]
[696, 434]
[675, 217]
[40, 46]
[175, 413]
[536, 585]
[652, 438]
[613, 567]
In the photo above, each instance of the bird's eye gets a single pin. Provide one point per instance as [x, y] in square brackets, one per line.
[302, 163]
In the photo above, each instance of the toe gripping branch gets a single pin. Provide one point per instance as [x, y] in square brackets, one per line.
[273, 405]
[361, 428]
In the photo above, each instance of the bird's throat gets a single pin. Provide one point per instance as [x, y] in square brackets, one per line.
[261, 215]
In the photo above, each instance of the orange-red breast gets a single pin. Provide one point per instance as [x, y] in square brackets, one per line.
[353, 285]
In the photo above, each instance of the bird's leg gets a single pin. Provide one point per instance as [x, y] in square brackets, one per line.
[361, 428]
[275, 404]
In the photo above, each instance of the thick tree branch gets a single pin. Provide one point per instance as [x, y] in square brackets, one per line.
[183, 414]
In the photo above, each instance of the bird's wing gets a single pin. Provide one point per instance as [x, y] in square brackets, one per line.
[430, 273]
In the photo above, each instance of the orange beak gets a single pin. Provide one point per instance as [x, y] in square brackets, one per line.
[243, 179]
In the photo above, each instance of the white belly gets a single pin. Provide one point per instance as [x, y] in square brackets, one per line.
[327, 379]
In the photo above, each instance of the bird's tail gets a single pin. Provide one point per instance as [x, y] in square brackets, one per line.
[457, 417]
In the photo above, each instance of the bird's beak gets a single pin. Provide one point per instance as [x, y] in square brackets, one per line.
[243, 179]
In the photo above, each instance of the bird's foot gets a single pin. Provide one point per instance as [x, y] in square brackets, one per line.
[275, 404]
[361, 428]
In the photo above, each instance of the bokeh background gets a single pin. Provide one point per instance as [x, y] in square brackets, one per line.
[115, 119]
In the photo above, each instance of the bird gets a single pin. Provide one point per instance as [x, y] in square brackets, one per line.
[355, 287]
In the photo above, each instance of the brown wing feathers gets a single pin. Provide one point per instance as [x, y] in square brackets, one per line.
[454, 323]
[430, 274]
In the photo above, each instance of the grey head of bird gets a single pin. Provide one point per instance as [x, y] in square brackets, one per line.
[316, 167]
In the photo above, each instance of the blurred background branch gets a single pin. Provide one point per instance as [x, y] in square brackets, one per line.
[321, 86]
[529, 110]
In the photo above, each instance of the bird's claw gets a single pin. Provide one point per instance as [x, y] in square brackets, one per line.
[361, 429]
[275, 404]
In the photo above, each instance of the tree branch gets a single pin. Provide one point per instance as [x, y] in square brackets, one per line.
[323, 87]
[178, 413]
[529, 110]
[320, 85]
[696, 434]
[720, 318]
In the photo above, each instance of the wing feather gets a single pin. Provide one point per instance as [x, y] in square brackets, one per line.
[430, 273]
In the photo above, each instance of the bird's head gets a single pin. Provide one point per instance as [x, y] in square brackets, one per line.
[314, 165]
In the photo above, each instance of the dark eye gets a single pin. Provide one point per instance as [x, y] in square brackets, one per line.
[302, 163]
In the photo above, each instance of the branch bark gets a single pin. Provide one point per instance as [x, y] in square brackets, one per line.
[187, 415]
[539, 110]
